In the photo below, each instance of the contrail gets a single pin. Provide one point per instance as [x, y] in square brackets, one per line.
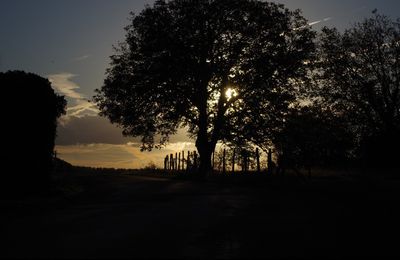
[345, 14]
[320, 21]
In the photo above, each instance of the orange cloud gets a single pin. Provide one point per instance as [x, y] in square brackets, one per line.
[126, 156]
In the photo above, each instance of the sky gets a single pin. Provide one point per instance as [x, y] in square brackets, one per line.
[70, 41]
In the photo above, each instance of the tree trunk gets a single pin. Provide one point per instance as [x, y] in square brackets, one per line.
[205, 145]
[205, 151]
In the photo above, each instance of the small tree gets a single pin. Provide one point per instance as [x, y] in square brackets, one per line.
[30, 122]
[207, 65]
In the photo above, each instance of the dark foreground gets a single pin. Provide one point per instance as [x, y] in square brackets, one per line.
[132, 216]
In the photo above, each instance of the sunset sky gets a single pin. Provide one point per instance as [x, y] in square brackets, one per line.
[70, 41]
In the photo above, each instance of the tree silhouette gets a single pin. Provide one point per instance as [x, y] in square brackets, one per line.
[361, 81]
[210, 66]
[29, 125]
[313, 136]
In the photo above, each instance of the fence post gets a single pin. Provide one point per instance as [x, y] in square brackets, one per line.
[171, 161]
[179, 161]
[258, 160]
[195, 160]
[176, 162]
[223, 162]
[269, 161]
[233, 160]
[183, 160]
[188, 162]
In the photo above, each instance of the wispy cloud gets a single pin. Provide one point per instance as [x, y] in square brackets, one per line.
[81, 58]
[63, 83]
[83, 108]
[78, 105]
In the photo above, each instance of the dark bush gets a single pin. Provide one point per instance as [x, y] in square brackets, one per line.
[30, 109]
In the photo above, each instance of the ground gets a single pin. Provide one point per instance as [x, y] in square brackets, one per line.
[125, 216]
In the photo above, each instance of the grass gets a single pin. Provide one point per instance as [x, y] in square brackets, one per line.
[70, 181]
[241, 215]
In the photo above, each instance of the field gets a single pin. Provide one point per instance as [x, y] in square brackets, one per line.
[123, 215]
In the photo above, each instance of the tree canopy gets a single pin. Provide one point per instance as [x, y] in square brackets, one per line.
[360, 80]
[219, 68]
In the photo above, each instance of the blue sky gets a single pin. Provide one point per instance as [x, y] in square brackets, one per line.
[69, 41]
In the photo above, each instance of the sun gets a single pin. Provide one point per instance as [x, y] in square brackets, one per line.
[230, 93]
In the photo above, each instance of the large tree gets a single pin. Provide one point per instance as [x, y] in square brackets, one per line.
[211, 66]
[361, 82]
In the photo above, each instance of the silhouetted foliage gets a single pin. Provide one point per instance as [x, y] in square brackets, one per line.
[30, 111]
[360, 80]
[313, 136]
[180, 59]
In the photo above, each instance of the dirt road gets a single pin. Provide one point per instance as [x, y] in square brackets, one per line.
[128, 216]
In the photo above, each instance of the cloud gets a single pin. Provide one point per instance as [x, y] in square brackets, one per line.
[63, 84]
[180, 146]
[99, 155]
[82, 109]
[96, 129]
[94, 141]
[126, 156]
[133, 144]
[78, 105]
[90, 129]
[81, 58]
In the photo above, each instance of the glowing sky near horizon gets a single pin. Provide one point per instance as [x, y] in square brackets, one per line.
[69, 42]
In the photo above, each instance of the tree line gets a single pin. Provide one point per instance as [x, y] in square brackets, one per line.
[246, 72]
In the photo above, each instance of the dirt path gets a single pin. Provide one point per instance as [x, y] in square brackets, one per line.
[131, 216]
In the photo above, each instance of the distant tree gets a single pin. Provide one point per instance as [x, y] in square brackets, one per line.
[30, 111]
[313, 136]
[207, 65]
[360, 79]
